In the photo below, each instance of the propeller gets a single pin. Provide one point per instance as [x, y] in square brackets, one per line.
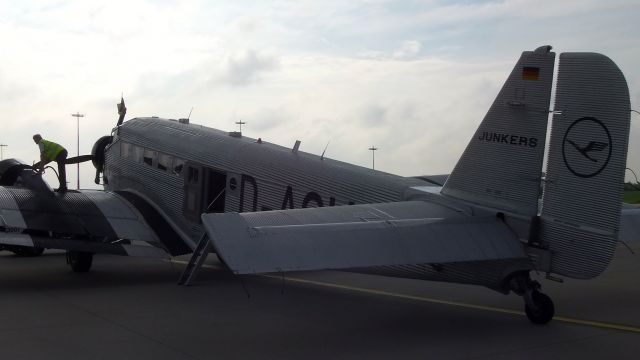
[78, 159]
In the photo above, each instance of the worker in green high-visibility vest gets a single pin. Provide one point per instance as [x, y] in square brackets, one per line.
[50, 151]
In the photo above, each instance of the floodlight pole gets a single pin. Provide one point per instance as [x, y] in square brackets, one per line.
[373, 155]
[77, 115]
[240, 123]
[1, 152]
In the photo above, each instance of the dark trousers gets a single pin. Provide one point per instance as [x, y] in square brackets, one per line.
[62, 173]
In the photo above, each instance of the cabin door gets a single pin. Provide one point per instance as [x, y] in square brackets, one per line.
[215, 183]
[204, 191]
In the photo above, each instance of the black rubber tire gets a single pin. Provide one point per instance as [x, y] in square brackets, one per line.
[543, 311]
[27, 251]
[79, 261]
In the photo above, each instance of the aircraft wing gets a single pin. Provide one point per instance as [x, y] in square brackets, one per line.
[354, 237]
[91, 221]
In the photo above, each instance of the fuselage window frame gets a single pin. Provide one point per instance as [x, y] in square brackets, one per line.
[125, 150]
[165, 162]
[177, 167]
[138, 154]
[150, 157]
[158, 160]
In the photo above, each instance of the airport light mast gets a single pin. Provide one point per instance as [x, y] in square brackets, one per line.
[77, 115]
[1, 152]
[373, 155]
[240, 123]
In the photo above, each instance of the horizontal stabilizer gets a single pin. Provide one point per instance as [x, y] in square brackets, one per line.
[275, 241]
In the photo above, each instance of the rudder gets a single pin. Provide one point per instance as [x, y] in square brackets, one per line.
[580, 215]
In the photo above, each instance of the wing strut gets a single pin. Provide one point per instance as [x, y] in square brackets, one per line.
[197, 259]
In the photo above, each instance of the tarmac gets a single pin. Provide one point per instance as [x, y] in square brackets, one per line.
[131, 308]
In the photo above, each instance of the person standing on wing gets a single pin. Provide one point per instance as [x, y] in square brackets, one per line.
[50, 151]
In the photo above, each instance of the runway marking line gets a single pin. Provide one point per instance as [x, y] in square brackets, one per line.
[591, 323]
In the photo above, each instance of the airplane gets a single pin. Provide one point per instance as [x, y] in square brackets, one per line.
[173, 188]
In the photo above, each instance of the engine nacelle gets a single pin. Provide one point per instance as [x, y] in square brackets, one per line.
[97, 155]
[14, 172]
[10, 170]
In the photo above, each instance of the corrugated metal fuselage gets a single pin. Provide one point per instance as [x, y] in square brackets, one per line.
[186, 169]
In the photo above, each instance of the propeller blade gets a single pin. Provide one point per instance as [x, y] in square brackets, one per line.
[78, 159]
[122, 111]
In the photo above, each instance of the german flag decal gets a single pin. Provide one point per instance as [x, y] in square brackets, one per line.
[530, 73]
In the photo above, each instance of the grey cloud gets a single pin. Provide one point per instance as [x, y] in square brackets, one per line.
[378, 115]
[248, 67]
[408, 49]
[373, 115]
[11, 90]
[269, 119]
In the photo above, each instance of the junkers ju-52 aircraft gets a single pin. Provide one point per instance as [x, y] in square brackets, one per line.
[171, 188]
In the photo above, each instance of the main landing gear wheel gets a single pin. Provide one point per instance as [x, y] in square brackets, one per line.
[539, 307]
[79, 261]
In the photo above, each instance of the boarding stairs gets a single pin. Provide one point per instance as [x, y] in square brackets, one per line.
[198, 257]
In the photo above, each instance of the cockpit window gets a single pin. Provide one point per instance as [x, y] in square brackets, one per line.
[125, 149]
[137, 153]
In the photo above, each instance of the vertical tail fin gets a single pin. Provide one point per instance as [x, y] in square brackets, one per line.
[501, 167]
[587, 158]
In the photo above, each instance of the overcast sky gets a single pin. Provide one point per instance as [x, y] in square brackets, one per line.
[413, 78]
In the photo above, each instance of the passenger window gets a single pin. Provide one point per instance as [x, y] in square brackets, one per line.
[149, 155]
[138, 153]
[125, 150]
[164, 161]
[178, 164]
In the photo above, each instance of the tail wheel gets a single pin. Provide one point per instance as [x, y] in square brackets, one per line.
[541, 309]
[79, 261]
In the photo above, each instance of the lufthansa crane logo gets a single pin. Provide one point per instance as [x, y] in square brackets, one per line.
[586, 148]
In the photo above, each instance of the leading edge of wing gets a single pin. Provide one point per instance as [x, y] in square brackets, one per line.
[281, 245]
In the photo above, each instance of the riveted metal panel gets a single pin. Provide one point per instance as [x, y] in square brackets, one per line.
[11, 216]
[486, 273]
[17, 239]
[162, 188]
[501, 166]
[357, 236]
[124, 219]
[273, 165]
[282, 179]
[64, 213]
[85, 220]
[587, 159]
